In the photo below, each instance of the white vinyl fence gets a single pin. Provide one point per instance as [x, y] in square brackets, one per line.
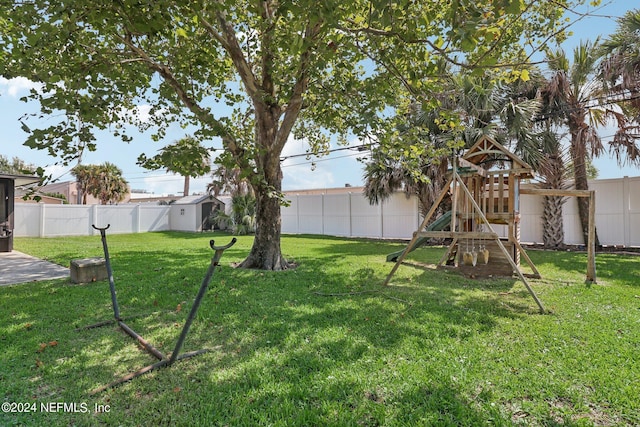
[41, 220]
[351, 215]
[617, 215]
[348, 214]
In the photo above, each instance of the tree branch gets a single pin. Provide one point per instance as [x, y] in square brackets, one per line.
[212, 31]
[202, 114]
[232, 46]
[267, 56]
[294, 105]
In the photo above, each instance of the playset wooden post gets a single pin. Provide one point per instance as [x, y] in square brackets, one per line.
[480, 198]
[483, 197]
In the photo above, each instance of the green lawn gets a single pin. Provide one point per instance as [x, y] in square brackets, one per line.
[323, 344]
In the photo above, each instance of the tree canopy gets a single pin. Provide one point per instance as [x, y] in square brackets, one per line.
[16, 166]
[504, 111]
[104, 182]
[251, 74]
[186, 157]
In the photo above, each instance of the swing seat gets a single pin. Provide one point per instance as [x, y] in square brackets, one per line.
[491, 260]
[485, 255]
[467, 258]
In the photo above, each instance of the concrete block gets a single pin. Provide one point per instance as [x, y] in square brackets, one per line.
[88, 270]
[6, 243]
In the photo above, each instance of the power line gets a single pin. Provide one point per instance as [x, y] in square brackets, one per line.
[360, 148]
[310, 162]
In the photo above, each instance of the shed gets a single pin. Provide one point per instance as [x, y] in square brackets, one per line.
[8, 183]
[192, 213]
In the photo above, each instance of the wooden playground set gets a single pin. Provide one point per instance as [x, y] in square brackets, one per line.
[483, 196]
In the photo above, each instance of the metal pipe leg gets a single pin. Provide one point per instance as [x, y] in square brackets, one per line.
[203, 288]
[112, 285]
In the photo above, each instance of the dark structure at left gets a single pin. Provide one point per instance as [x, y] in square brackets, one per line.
[8, 183]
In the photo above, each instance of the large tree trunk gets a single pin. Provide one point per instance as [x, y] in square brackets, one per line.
[579, 158]
[265, 253]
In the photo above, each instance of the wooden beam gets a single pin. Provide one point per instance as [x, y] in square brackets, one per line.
[458, 234]
[536, 273]
[522, 278]
[553, 192]
[490, 204]
[500, 194]
[426, 219]
[448, 252]
[467, 164]
[591, 246]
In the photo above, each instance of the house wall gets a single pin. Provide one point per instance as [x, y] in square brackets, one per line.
[184, 217]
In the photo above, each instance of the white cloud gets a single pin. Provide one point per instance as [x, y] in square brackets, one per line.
[163, 184]
[59, 172]
[302, 177]
[16, 86]
[140, 113]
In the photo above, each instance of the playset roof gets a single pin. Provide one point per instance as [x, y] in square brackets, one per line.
[487, 148]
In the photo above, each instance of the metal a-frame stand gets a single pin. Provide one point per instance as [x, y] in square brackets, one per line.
[163, 360]
[454, 181]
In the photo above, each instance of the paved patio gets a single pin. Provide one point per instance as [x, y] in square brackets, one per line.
[16, 267]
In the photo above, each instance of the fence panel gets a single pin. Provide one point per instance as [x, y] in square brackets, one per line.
[350, 214]
[400, 216]
[530, 220]
[27, 219]
[632, 220]
[121, 219]
[40, 220]
[310, 215]
[610, 208]
[366, 220]
[337, 214]
[153, 218]
[289, 216]
[66, 220]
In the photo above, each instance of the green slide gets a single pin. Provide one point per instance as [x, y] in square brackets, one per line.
[437, 225]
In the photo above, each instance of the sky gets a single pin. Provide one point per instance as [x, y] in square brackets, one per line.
[299, 173]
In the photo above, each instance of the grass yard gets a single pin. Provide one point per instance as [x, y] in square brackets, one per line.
[323, 344]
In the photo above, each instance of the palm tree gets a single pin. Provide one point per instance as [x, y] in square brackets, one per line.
[505, 112]
[620, 72]
[84, 176]
[553, 173]
[621, 66]
[243, 214]
[104, 182]
[385, 174]
[576, 98]
[230, 180]
[109, 184]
